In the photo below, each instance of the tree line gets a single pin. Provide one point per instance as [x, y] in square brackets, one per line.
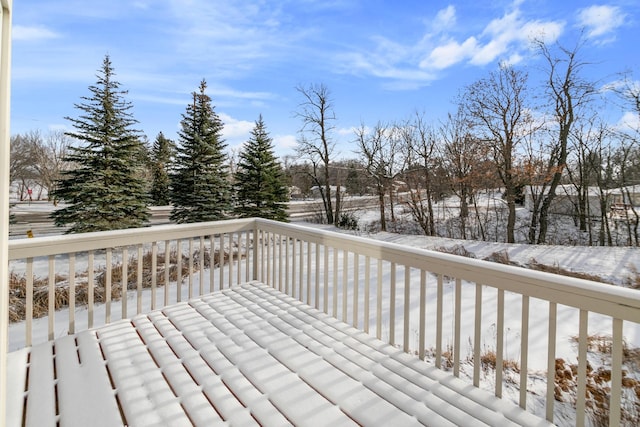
[537, 141]
[541, 143]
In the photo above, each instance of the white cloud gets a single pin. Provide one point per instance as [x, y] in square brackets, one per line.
[629, 121]
[144, 5]
[158, 99]
[512, 34]
[25, 33]
[513, 59]
[235, 129]
[347, 131]
[600, 20]
[285, 142]
[445, 18]
[547, 32]
[396, 62]
[504, 39]
[225, 92]
[380, 65]
[450, 53]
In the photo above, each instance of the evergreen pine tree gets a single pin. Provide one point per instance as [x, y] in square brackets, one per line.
[105, 189]
[200, 190]
[354, 184]
[161, 155]
[259, 181]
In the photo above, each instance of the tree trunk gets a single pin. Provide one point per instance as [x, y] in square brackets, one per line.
[464, 212]
[383, 222]
[338, 204]
[483, 237]
[535, 209]
[511, 206]
[431, 219]
[328, 206]
[583, 206]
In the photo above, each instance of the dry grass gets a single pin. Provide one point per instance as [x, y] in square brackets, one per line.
[18, 283]
[598, 387]
[633, 281]
[599, 383]
[556, 269]
[602, 344]
[456, 250]
[489, 361]
[500, 257]
[447, 357]
[61, 295]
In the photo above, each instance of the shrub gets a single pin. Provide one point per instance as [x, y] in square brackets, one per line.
[348, 221]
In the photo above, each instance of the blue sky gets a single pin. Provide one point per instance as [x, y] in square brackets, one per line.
[381, 60]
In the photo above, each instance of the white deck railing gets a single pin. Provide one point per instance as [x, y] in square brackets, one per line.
[425, 302]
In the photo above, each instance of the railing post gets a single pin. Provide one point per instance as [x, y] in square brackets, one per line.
[255, 250]
[5, 137]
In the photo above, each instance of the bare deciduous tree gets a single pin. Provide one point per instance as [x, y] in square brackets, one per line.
[315, 143]
[629, 155]
[498, 107]
[461, 154]
[628, 175]
[37, 161]
[422, 160]
[589, 167]
[21, 164]
[373, 148]
[48, 160]
[567, 92]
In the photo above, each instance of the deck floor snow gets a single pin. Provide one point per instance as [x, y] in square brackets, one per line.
[248, 355]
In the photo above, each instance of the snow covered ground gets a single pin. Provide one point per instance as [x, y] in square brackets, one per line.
[616, 265]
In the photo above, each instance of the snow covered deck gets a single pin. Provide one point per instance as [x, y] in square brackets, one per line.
[291, 323]
[249, 355]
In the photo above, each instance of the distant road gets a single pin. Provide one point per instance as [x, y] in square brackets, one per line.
[35, 216]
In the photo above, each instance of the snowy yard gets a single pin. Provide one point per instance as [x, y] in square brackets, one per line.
[613, 264]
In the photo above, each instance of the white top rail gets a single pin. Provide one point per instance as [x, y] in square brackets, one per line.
[54, 245]
[614, 301]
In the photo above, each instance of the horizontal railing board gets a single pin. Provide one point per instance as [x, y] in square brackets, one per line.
[54, 245]
[596, 297]
[601, 298]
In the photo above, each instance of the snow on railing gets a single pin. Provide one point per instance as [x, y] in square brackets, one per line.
[88, 272]
[429, 302]
[421, 301]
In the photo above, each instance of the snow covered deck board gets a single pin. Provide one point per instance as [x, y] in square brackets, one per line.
[248, 355]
